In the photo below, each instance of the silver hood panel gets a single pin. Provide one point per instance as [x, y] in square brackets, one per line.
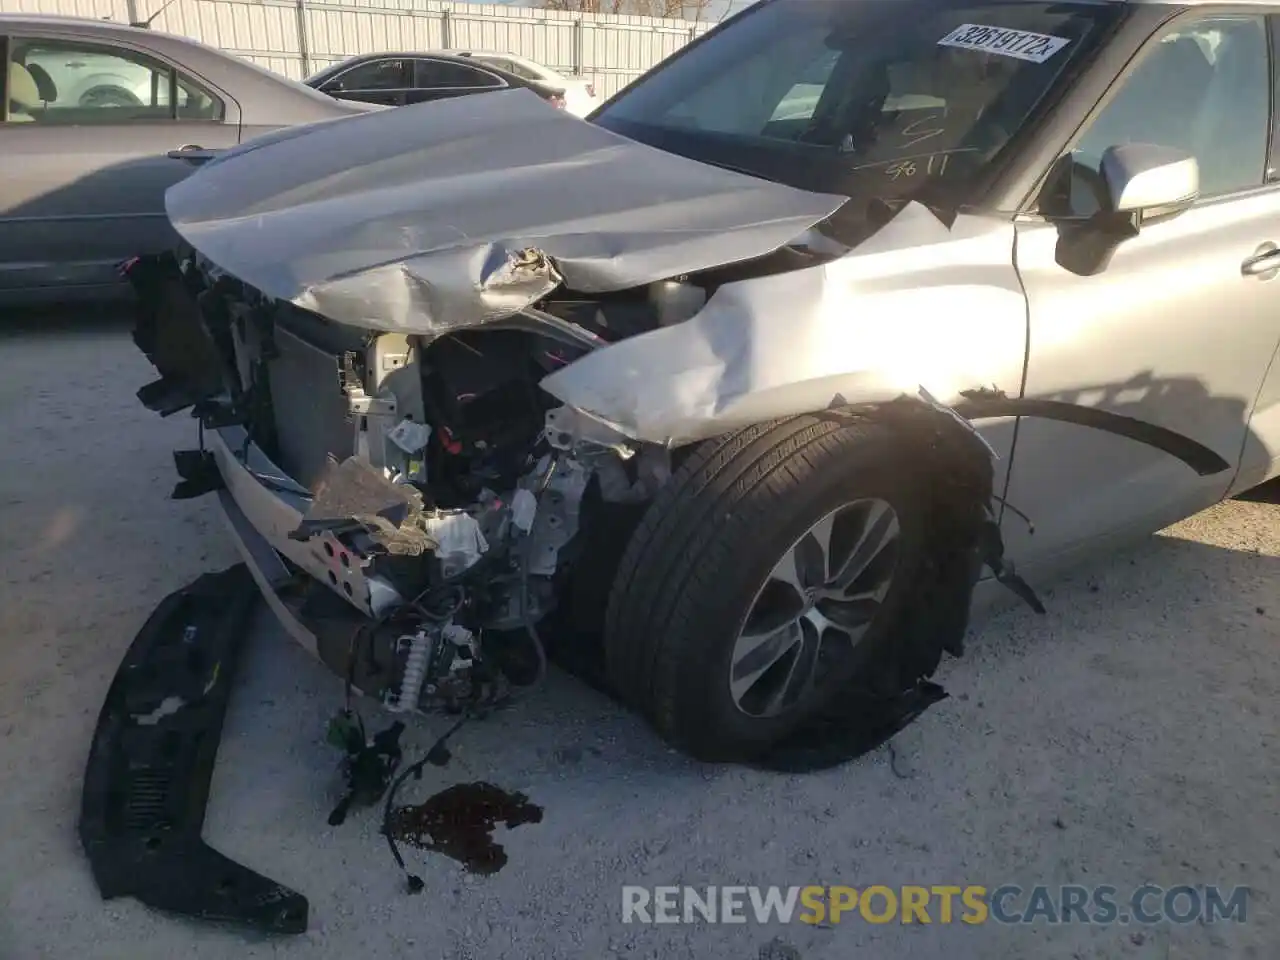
[450, 214]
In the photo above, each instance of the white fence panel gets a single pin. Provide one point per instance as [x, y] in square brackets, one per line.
[95, 9]
[266, 33]
[296, 37]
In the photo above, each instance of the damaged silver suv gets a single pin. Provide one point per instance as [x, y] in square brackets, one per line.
[735, 395]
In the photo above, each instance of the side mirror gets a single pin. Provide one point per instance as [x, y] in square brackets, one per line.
[1134, 183]
[1145, 177]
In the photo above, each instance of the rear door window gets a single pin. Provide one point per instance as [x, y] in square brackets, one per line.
[506, 65]
[519, 69]
[442, 73]
[391, 74]
[68, 82]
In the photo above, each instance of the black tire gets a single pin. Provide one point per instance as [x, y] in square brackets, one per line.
[707, 543]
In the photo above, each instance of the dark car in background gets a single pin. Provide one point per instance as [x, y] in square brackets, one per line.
[397, 79]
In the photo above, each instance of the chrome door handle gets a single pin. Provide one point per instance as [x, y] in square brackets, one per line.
[1266, 259]
[192, 154]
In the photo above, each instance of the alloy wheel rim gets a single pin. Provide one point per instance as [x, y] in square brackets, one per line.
[817, 603]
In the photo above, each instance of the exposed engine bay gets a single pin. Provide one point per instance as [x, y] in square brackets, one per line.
[444, 490]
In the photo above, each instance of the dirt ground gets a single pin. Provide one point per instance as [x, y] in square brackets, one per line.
[1126, 737]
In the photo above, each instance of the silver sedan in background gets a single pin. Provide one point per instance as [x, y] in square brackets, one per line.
[97, 120]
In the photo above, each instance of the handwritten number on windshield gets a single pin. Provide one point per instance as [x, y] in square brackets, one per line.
[912, 134]
[934, 164]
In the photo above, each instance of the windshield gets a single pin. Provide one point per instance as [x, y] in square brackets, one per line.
[872, 98]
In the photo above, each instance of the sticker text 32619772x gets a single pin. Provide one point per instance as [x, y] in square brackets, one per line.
[1020, 44]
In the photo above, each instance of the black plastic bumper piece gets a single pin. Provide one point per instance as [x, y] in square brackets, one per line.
[171, 332]
[165, 397]
[199, 472]
[147, 780]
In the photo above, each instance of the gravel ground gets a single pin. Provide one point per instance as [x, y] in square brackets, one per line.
[1121, 739]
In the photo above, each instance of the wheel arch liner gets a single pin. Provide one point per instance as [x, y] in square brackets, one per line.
[147, 779]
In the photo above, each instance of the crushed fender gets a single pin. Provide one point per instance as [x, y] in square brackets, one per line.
[147, 780]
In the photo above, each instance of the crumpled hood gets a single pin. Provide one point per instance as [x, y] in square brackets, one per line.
[432, 217]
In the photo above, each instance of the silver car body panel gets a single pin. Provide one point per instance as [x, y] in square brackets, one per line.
[916, 305]
[1173, 332]
[460, 212]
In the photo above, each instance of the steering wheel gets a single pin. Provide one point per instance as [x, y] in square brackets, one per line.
[108, 95]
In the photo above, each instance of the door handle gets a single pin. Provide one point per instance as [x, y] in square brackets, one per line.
[192, 153]
[1265, 260]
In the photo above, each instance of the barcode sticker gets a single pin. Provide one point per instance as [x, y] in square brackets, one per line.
[1021, 44]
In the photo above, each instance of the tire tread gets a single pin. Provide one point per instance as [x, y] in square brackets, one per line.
[686, 539]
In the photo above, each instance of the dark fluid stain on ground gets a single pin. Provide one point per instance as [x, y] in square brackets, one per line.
[459, 822]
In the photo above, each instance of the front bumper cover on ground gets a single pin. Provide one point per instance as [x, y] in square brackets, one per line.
[147, 780]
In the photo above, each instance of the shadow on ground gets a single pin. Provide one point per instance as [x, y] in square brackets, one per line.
[87, 319]
[1268, 492]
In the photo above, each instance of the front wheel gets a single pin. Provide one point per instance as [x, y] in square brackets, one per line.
[768, 574]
